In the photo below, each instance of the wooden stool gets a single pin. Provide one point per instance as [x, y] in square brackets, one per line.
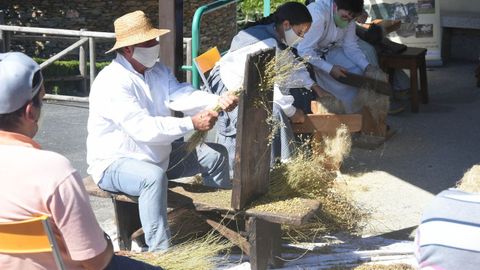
[411, 59]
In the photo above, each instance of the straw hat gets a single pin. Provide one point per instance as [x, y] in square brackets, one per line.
[134, 28]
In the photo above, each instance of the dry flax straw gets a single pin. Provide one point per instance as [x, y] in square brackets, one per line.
[470, 181]
[378, 104]
[200, 254]
[305, 176]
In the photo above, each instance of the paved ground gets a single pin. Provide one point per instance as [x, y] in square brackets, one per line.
[430, 152]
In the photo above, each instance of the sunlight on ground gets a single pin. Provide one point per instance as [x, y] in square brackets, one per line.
[394, 204]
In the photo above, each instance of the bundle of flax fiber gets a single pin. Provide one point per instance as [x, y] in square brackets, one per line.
[199, 254]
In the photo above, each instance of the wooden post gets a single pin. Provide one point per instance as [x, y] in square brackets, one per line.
[127, 220]
[92, 55]
[265, 243]
[252, 170]
[189, 58]
[2, 38]
[82, 66]
[170, 14]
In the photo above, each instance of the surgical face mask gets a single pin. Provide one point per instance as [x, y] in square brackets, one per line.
[291, 38]
[339, 22]
[146, 56]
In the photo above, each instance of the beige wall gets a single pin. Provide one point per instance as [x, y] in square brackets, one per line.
[460, 6]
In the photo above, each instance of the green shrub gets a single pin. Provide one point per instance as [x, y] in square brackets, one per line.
[66, 67]
[251, 10]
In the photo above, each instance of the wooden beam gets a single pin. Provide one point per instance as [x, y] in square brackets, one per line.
[170, 16]
[328, 123]
[231, 235]
[265, 241]
[252, 168]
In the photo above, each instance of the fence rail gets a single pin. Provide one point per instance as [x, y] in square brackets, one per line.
[82, 38]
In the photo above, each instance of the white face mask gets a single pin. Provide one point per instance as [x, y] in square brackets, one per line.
[146, 56]
[291, 38]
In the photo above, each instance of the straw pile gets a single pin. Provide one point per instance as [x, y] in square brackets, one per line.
[201, 254]
[305, 176]
[470, 181]
[185, 225]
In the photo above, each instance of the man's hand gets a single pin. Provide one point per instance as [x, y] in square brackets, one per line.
[338, 71]
[228, 101]
[204, 120]
[298, 117]
[319, 91]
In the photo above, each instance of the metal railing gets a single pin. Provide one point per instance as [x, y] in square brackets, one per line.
[195, 49]
[82, 37]
[196, 35]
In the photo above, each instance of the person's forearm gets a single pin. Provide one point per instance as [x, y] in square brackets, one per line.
[102, 260]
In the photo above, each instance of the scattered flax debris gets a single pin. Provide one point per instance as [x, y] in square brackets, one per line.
[384, 267]
[200, 254]
[289, 206]
[220, 198]
[338, 147]
[471, 180]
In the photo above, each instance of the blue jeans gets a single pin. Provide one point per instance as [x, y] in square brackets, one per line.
[124, 263]
[148, 181]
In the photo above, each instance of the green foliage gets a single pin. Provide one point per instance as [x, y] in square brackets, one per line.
[254, 8]
[66, 68]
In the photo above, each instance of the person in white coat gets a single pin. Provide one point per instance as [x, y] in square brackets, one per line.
[282, 30]
[331, 47]
[132, 138]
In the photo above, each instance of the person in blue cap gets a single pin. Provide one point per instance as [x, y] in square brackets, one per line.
[37, 182]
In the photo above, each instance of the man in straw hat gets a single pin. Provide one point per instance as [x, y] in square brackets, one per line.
[37, 182]
[449, 234]
[132, 142]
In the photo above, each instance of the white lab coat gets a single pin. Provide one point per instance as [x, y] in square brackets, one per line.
[325, 45]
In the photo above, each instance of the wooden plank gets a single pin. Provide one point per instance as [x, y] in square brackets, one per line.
[360, 81]
[264, 238]
[328, 123]
[231, 235]
[301, 216]
[208, 199]
[252, 158]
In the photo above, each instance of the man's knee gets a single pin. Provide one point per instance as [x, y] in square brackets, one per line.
[154, 177]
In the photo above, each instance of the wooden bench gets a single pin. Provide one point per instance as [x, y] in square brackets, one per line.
[259, 231]
[412, 59]
[454, 21]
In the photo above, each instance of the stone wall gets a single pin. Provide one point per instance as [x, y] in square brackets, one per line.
[218, 27]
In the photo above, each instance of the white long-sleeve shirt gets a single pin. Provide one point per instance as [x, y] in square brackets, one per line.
[324, 34]
[130, 114]
[232, 72]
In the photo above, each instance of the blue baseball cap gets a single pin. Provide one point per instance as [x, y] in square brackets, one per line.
[17, 84]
